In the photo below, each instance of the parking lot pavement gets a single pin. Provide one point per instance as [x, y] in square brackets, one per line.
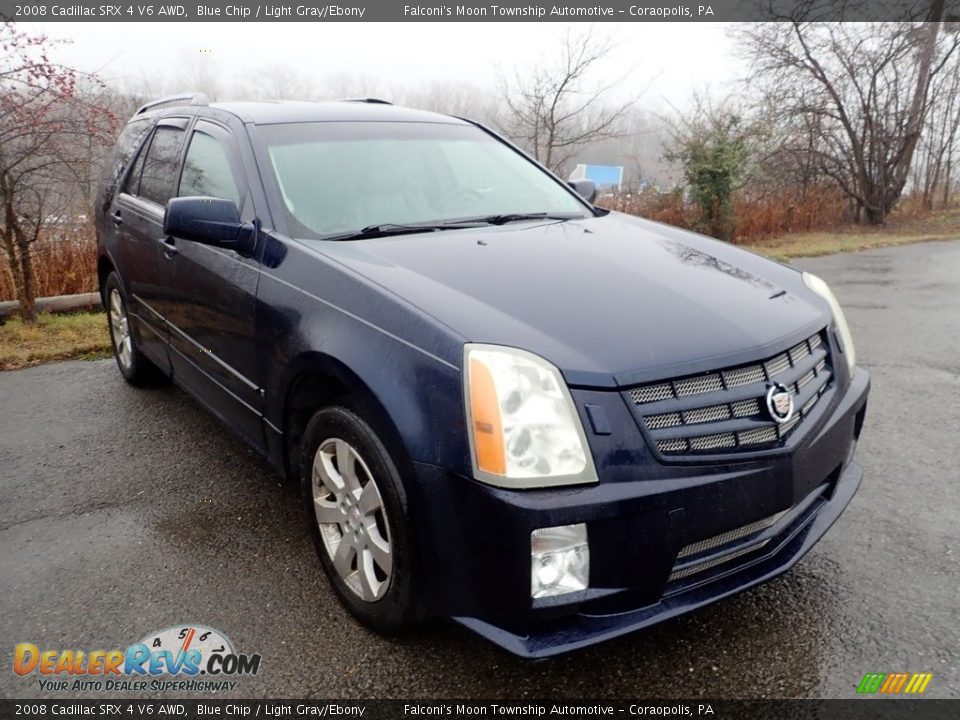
[124, 511]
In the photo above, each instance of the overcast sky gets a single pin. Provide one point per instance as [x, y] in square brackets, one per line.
[676, 57]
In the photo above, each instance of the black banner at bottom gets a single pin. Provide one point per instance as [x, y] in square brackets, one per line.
[858, 709]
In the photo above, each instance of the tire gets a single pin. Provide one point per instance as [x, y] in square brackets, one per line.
[135, 367]
[357, 515]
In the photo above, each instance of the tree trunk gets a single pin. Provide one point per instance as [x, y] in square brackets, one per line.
[28, 294]
[876, 207]
[918, 104]
[18, 257]
[946, 178]
[10, 250]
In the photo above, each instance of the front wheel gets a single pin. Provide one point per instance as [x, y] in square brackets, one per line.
[354, 502]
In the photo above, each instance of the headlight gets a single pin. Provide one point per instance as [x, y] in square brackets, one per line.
[846, 340]
[524, 430]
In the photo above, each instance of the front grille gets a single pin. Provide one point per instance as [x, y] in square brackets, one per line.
[724, 411]
[720, 549]
[714, 562]
[728, 537]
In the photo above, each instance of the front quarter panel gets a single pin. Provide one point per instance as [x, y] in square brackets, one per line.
[317, 316]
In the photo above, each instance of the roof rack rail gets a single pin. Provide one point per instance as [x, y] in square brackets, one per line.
[193, 98]
[372, 101]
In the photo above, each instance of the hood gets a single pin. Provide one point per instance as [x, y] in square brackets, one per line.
[612, 300]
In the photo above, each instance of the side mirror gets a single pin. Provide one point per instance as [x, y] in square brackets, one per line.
[585, 189]
[210, 221]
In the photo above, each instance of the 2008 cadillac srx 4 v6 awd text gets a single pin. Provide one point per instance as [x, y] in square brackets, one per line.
[552, 423]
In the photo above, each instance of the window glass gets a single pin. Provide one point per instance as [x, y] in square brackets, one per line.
[127, 144]
[206, 171]
[339, 177]
[160, 166]
[131, 185]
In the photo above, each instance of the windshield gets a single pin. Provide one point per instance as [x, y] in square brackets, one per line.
[336, 178]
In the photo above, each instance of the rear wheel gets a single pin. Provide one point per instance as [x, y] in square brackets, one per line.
[354, 502]
[135, 367]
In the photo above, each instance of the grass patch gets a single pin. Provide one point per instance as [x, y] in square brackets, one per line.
[944, 225]
[82, 336]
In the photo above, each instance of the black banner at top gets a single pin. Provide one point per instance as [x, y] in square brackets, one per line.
[317, 11]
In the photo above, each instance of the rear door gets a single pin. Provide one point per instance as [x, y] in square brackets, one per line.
[142, 254]
[211, 297]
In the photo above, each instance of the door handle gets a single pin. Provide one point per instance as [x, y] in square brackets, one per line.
[167, 246]
[117, 219]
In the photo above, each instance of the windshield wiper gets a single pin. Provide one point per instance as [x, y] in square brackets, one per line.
[387, 229]
[505, 218]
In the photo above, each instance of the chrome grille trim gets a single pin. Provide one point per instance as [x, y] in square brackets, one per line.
[724, 411]
[718, 541]
[799, 352]
[777, 365]
[695, 569]
[745, 408]
[711, 442]
[758, 436]
[707, 414]
[651, 393]
[743, 376]
[729, 536]
[664, 421]
[789, 425]
[699, 385]
[672, 445]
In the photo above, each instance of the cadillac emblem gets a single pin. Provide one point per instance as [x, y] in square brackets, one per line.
[780, 403]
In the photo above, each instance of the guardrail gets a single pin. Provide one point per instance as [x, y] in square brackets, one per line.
[61, 303]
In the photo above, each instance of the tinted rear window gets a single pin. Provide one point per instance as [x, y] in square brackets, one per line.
[127, 144]
[160, 166]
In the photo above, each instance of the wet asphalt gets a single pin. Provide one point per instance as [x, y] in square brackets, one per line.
[124, 511]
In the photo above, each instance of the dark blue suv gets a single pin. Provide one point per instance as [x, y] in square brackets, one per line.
[551, 423]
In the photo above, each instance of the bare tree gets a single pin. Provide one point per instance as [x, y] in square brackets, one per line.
[48, 116]
[347, 84]
[461, 99]
[554, 108]
[940, 137]
[860, 93]
[198, 71]
[276, 81]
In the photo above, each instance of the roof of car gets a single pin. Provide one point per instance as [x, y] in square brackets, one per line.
[270, 112]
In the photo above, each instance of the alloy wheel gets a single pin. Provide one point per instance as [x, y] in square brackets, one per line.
[120, 330]
[352, 519]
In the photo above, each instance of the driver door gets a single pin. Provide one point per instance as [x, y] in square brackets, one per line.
[210, 301]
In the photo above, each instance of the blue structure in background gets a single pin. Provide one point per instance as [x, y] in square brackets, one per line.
[605, 177]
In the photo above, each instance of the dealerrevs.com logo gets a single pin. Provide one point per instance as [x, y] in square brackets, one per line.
[187, 658]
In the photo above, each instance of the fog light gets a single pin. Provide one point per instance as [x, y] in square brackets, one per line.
[559, 560]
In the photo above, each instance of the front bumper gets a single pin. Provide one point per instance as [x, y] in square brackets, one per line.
[474, 539]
